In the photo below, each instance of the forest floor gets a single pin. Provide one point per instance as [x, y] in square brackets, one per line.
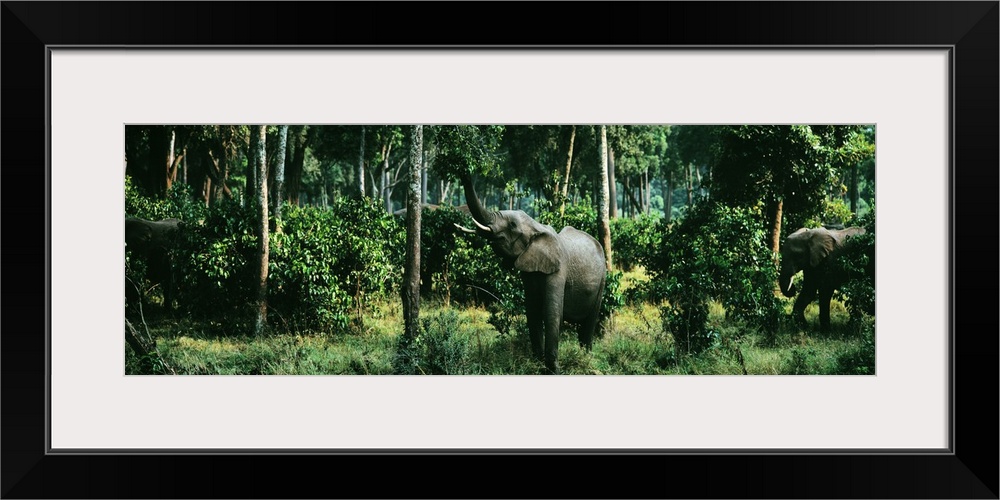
[460, 341]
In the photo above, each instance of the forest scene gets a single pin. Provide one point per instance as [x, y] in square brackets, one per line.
[499, 249]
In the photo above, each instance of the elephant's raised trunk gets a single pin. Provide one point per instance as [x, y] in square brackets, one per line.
[480, 216]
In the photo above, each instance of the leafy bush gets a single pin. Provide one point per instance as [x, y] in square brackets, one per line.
[179, 203]
[858, 262]
[303, 285]
[436, 350]
[439, 241]
[612, 299]
[325, 264]
[580, 216]
[716, 252]
[633, 239]
[213, 263]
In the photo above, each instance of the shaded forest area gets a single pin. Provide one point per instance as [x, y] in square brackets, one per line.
[301, 232]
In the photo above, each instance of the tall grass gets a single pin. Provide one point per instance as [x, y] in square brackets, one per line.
[461, 341]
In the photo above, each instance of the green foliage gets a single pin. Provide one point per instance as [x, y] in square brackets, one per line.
[303, 281]
[633, 239]
[213, 263]
[613, 298]
[439, 241]
[860, 358]
[754, 163]
[323, 264]
[467, 149]
[581, 216]
[326, 264]
[436, 350]
[858, 260]
[716, 252]
[179, 203]
[835, 211]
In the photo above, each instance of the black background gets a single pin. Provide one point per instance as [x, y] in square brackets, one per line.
[971, 472]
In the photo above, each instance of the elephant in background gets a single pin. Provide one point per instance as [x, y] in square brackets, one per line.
[151, 242]
[815, 252]
[563, 273]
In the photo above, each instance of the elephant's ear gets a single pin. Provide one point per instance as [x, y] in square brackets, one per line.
[137, 233]
[821, 243]
[541, 256]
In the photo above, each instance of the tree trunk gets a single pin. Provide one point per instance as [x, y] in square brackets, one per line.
[279, 172]
[445, 192]
[260, 168]
[697, 176]
[423, 172]
[411, 271]
[604, 227]
[293, 171]
[648, 188]
[612, 188]
[668, 202]
[774, 209]
[361, 163]
[854, 188]
[160, 159]
[633, 204]
[626, 191]
[171, 170]
[569, 163]
[250, 191]
[689, 186]
[384, 183]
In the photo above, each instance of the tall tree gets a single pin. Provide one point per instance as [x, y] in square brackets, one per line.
[604, 225]
[411, 272]
[569, 164]
[259, 166]
[250, 189]
[298, 141]
[279, 174]
[609, 167]
[361, 163]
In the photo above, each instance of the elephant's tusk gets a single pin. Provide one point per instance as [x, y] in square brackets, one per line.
[465, 229]
[480, 226]
[790, 282]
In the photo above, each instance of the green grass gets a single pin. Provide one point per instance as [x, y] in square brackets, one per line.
[460, 340]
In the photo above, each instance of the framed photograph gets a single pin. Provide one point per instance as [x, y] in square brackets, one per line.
[86, 86]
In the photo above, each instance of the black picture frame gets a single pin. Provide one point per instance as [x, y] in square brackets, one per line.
[969, 28]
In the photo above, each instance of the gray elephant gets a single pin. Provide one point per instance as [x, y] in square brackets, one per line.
[151, 242]
[563, 273]
[815, 252]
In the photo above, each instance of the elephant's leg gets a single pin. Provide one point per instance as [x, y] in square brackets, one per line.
[825, 294]
[807, 295]
[552, 317]
[534, 314]
[587, 329]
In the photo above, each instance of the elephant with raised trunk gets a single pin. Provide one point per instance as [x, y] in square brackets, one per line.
[563, 273]
[815, 252]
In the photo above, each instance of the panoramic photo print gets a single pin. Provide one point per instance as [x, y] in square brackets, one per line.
[499, 249]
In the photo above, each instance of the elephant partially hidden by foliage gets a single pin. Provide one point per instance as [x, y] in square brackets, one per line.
[150, 242]
[563, 273]
[815, 252]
